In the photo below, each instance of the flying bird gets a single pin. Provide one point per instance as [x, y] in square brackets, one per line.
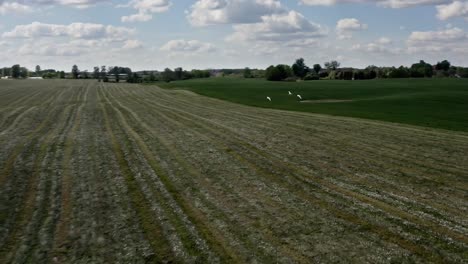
[268, 98]
[299, 96]
[290, 93]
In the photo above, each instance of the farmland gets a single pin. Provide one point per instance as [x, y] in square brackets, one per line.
[119, 173]
[437, 103]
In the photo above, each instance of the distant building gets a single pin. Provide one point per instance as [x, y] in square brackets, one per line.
[146, 74]
[122, 77]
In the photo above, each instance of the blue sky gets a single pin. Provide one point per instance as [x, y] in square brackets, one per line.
[154, 34]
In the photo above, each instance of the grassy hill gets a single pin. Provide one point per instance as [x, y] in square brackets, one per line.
[437, 103]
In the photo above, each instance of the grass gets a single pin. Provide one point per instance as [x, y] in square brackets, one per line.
[126, 173]
[436, 103]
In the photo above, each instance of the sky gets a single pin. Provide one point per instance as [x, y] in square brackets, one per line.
[203, 34]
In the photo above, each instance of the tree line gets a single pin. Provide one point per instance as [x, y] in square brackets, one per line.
[332, 71]
[297, 71]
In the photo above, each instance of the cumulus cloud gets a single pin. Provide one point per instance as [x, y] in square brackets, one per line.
[384, 40]
[278, 28]
[451, 34]
[146, 9]
[380, 46]
[210, 12]
[73, 30]
[385, 3]
[138, 17]
[40, 39]
[50, 49]
[451, 40]
[13, 7]
[132, 44]
[455, 9]
[187, 46]
[27, 4]
[345, 27]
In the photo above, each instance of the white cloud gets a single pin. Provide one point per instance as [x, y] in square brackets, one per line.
[376, 48]
[74, 30]
[75, 39]
[27, 4]
[452, 41]
[277, 28]
[455, 9]
[385, 3]
[345, 27]
[452, 34]
[138, 17]
[187, 46]
[132, 44]
[50, 49]
[145, 9]
[210, 12]
[13, 7]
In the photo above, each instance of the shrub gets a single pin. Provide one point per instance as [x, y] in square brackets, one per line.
[311, 76]
[278, 72]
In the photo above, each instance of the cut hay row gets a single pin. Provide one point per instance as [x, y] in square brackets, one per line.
[120, 173]
[350, 153]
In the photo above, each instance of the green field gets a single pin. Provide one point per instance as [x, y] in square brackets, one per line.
[436, 103]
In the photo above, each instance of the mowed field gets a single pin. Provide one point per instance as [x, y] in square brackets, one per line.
[121, 173]
[436, 103]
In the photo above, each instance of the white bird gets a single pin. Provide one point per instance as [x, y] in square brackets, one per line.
[299, 96]
[268, 98]
[290, 93]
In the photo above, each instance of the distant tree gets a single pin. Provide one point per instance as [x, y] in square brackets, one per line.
[421, 69]
[272, 74]
[371, 72]
[200, 74]
[85, 74]
[24, 73]
[167, 75]
[462, 72]
[62, 75]
[178, 73]
[96, 74]
[443, 65]
[258, 73]
[452, 71]
[299, 68]
[116, 72]
[49, 75]
[133, 78]
[278, 72]
[332, 65]
[75, 72]
[247, 73]
[317, 68]
[401, 72]
[152, 77]
[38, 69]
[103, 72]
[285, 71]
[15, 71]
